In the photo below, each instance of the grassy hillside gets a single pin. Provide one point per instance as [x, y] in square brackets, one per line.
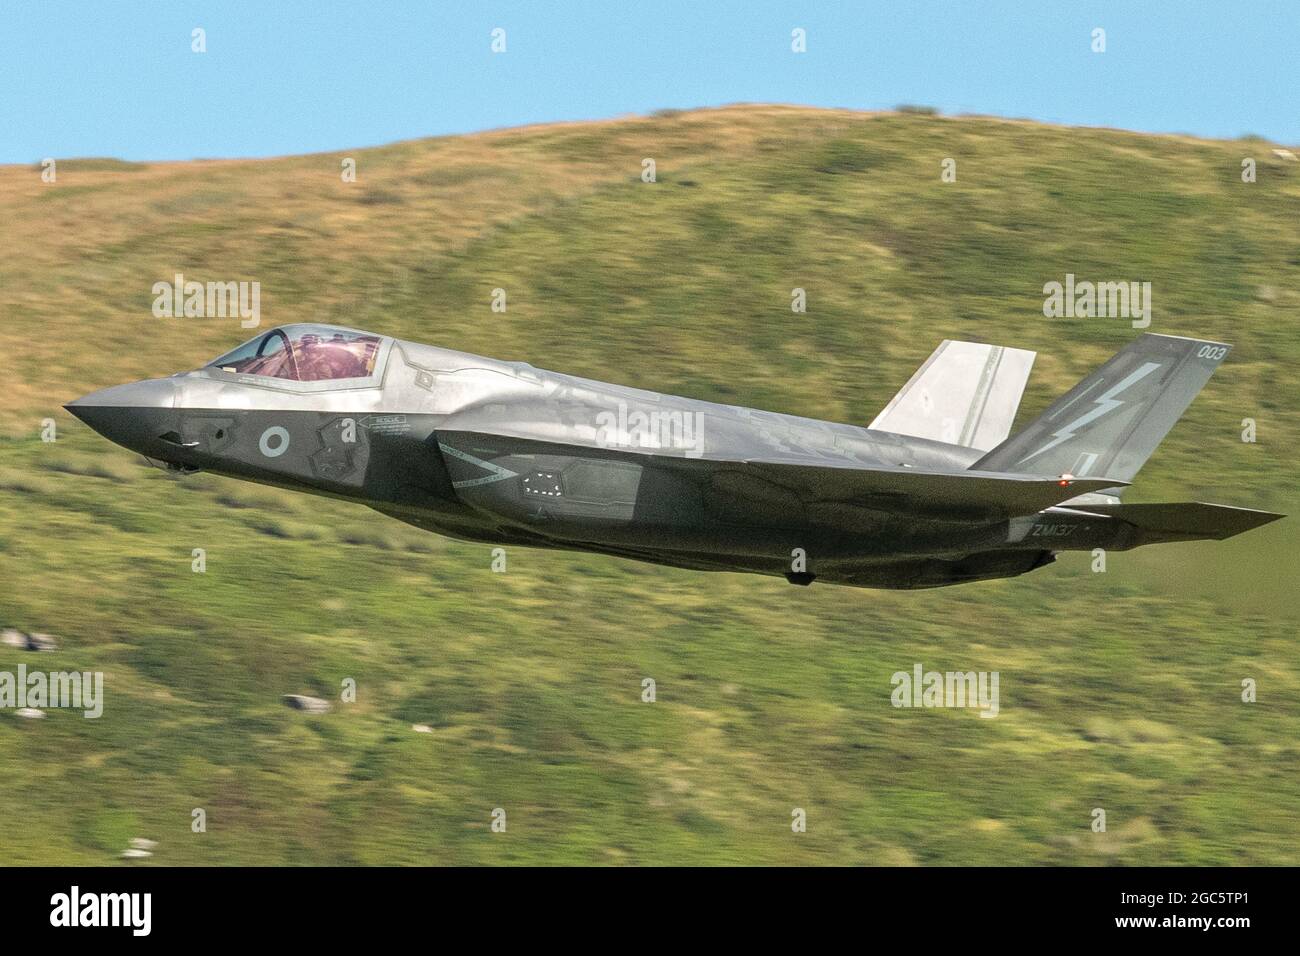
[1119, 690]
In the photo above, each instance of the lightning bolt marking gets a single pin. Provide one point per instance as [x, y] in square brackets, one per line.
[1102, 404]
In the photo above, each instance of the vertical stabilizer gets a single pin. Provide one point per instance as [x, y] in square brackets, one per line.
[966, 393]
[1110, 423]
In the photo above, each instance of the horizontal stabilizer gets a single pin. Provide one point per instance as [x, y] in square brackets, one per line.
[1186, 520]
[966, 394]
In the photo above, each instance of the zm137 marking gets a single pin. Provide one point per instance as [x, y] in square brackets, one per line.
[1052, 530]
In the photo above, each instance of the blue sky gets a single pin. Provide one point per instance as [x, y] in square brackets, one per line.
[117, 78]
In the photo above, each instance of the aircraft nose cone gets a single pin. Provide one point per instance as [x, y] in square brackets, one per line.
[151, 393]
[134, 416]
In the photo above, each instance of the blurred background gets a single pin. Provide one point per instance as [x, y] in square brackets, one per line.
[1120, 690]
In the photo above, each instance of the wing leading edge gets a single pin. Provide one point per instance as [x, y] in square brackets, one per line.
[965, 494]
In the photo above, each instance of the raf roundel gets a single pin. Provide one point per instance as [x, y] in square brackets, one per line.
[274, 442]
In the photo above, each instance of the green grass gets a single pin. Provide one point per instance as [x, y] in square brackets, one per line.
[1118, 690]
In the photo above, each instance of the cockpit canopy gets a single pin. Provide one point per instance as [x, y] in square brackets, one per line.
[305, 353]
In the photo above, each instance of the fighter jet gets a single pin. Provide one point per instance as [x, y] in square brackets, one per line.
[934, 492]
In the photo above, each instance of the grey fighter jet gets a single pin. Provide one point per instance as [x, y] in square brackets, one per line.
[933, 492]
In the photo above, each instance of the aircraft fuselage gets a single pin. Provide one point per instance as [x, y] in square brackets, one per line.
[502, 452]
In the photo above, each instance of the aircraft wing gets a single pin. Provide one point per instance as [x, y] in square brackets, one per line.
[478, 460]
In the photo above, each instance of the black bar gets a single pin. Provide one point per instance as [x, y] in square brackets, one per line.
[946, 906]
